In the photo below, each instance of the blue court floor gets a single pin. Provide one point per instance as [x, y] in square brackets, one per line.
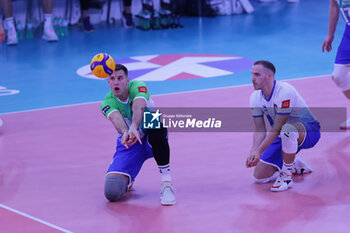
[290, 35]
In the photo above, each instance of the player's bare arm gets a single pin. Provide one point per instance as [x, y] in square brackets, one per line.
[119, 124]
[258, 137]
[333, 21]
[138, 107]
[271, 135]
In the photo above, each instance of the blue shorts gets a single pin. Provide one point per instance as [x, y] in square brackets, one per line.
[343, 53]
[273, 154]
[129, 161]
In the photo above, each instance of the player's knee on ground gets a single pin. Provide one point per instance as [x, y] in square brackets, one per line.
[115, 187]
[260, 179]
[264, 173]
[341, 77]
[289, 137]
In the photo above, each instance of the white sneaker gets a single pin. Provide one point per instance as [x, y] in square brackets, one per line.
[345, 125]
[282, 183]
[167, 194]
[11, 34]
[301, 167]
[49, 32]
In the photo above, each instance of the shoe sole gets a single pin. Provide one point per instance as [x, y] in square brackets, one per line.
[48, 39]
[307, 166]
[290, 185]
[168, 204]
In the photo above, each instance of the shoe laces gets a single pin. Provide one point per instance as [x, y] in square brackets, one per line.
[165, 185]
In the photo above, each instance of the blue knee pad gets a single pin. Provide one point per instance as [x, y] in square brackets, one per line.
[115, 187]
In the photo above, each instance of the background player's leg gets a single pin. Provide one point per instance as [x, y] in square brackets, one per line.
[9, 22]
[49, 32]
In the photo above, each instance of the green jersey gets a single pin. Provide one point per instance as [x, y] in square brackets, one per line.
[137, 89]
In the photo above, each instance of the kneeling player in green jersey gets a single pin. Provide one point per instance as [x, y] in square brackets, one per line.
[124, 106]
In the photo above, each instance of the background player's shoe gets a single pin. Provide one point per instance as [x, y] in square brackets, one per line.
[49, 32]
[345, 125]
[282, 183]
[301, 167]
[127, 20]
[11, 32]
[167, 194]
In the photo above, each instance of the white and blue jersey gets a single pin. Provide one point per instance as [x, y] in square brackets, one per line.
[284, 100]
[343, 53]
[344, 7]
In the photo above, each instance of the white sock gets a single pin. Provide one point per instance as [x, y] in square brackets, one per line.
[165, 172]
[287, 168]
[47, 19]
[10, 22]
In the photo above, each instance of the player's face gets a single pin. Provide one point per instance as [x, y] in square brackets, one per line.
[260, 76]
[119, 84]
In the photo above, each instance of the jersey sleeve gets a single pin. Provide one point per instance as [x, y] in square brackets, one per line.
[139, 89]
[108, 106]
[285, 101]
[255, 105]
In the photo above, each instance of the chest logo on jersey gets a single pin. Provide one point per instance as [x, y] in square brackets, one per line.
[285, 104]
[143, 89]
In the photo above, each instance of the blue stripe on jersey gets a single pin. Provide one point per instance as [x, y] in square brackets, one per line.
[270, 119]
[274, 84]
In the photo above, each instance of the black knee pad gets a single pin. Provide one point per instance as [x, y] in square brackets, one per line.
[157, 135]
[115, 187]
[157, 138]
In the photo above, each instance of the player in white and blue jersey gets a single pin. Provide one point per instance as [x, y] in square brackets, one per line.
[341, 71]
[292, 128]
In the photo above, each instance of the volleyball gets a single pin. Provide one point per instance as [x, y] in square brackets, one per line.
[102, 65]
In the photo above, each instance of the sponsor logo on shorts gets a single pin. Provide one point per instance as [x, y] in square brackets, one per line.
[105, 109]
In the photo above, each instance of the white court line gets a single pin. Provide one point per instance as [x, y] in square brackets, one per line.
[35, 219]
[173, 93]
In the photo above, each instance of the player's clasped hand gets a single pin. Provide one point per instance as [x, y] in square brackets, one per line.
[252, 160]
[130, 137]
[134, 134]
[127, 140]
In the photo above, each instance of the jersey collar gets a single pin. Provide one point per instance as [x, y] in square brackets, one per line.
[274, 84]
[124, 102]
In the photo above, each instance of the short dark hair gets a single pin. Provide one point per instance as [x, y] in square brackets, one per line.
[121, 67]
[267, 65]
